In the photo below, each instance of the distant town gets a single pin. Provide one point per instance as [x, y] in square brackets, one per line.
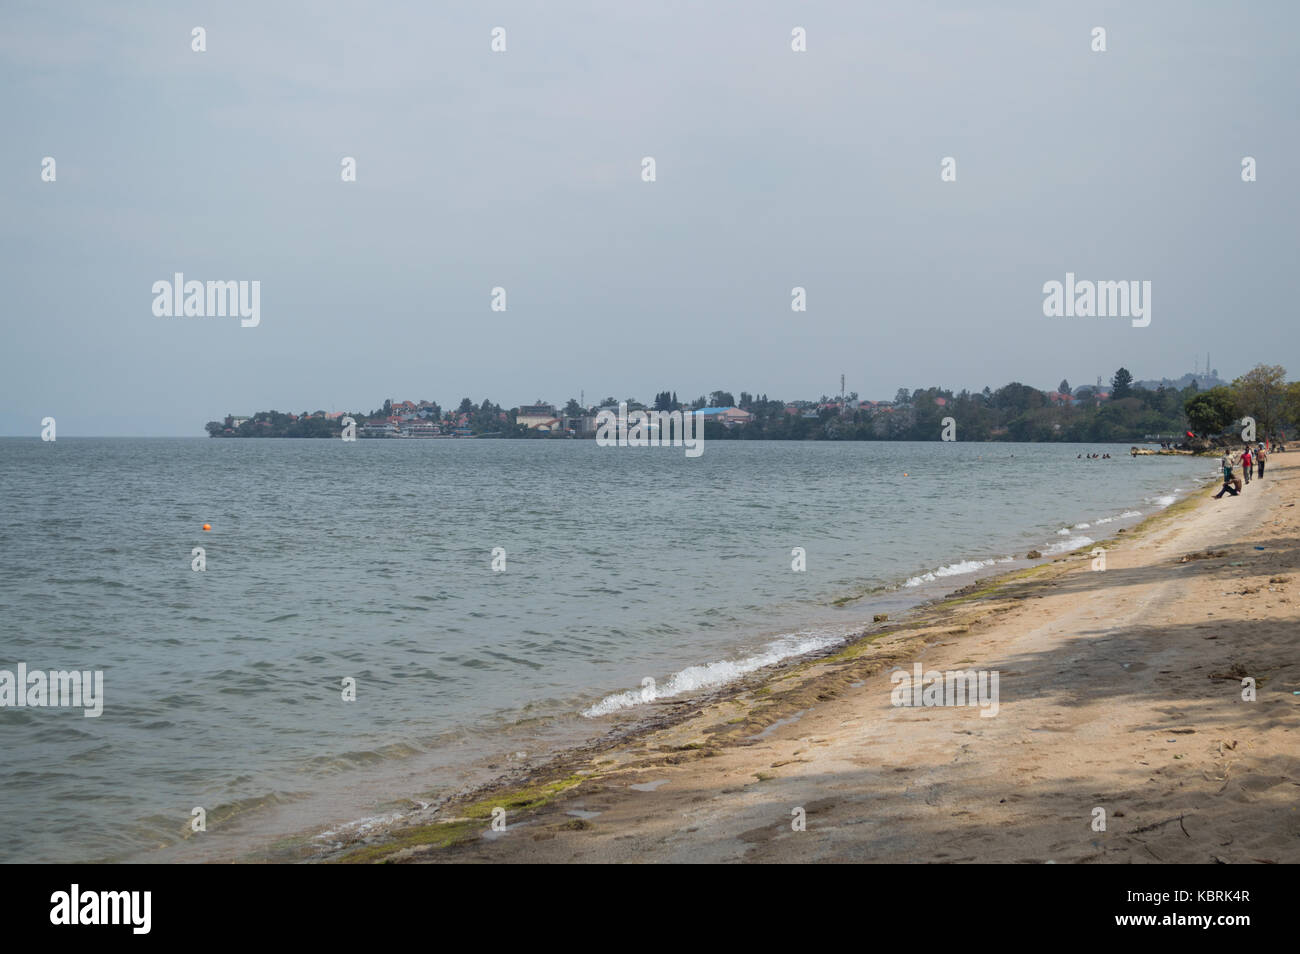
[1122, 410]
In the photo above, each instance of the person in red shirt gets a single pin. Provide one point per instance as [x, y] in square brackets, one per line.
[1247, 463]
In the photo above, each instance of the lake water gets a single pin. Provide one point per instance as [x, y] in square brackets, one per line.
[374, 560]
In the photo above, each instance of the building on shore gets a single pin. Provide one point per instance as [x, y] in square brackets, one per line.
[539, 417]
[726, 416]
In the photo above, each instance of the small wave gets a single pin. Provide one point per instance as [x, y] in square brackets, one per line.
[1065, 546]
[711, 675]
[1083, 526]
[952, 569]
[1164, 501]
[1130, 513]
[361, 826]
[1063, 532]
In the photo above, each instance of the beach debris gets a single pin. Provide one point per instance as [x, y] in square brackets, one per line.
[1203, 555]
[1033, 555]
[1156, 825]
[880, 617]
[1236, 672]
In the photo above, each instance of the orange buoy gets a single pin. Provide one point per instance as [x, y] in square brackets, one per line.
[207, 526]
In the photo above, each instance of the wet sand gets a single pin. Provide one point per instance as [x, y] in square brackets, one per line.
[1120, 690]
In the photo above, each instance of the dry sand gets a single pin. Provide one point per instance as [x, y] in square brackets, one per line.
[1119, 689]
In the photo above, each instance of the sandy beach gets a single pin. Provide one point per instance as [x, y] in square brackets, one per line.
[1121, 690]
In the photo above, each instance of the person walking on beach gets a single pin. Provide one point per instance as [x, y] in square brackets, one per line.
[1229, 485]
[1247, 463]
[1260, 456]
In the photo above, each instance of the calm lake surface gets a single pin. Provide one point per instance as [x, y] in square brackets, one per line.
[373, 560]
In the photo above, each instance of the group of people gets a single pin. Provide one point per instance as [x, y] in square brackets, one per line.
[1093, 457]
[1250, 459]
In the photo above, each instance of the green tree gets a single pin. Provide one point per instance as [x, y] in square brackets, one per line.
[1261, 393]
[1121, 385]
[1017, 397]
[1211, 411]
[1291, 403]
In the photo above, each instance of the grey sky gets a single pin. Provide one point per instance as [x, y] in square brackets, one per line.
[522, 169]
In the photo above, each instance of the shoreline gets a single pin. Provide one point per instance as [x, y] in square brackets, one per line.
[718, 723]
[287, 820]
[298, 821]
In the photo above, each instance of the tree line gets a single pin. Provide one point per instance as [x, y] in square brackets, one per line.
[1013, 412]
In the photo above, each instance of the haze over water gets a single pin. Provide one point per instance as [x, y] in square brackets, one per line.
[373, 560]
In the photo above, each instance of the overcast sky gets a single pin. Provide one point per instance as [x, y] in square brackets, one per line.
[522, 169]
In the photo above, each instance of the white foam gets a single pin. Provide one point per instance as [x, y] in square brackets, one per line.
[952, 569]
[1130, 513]
[711, 675]
[1082, 526]
[361, 826]
[1063, 532]
[1164, 501]
[1101, 520]
[1065, 546]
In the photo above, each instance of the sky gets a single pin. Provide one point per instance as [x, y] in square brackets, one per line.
[523, 169]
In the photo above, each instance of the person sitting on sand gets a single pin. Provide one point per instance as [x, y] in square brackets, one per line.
[1229, 484]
